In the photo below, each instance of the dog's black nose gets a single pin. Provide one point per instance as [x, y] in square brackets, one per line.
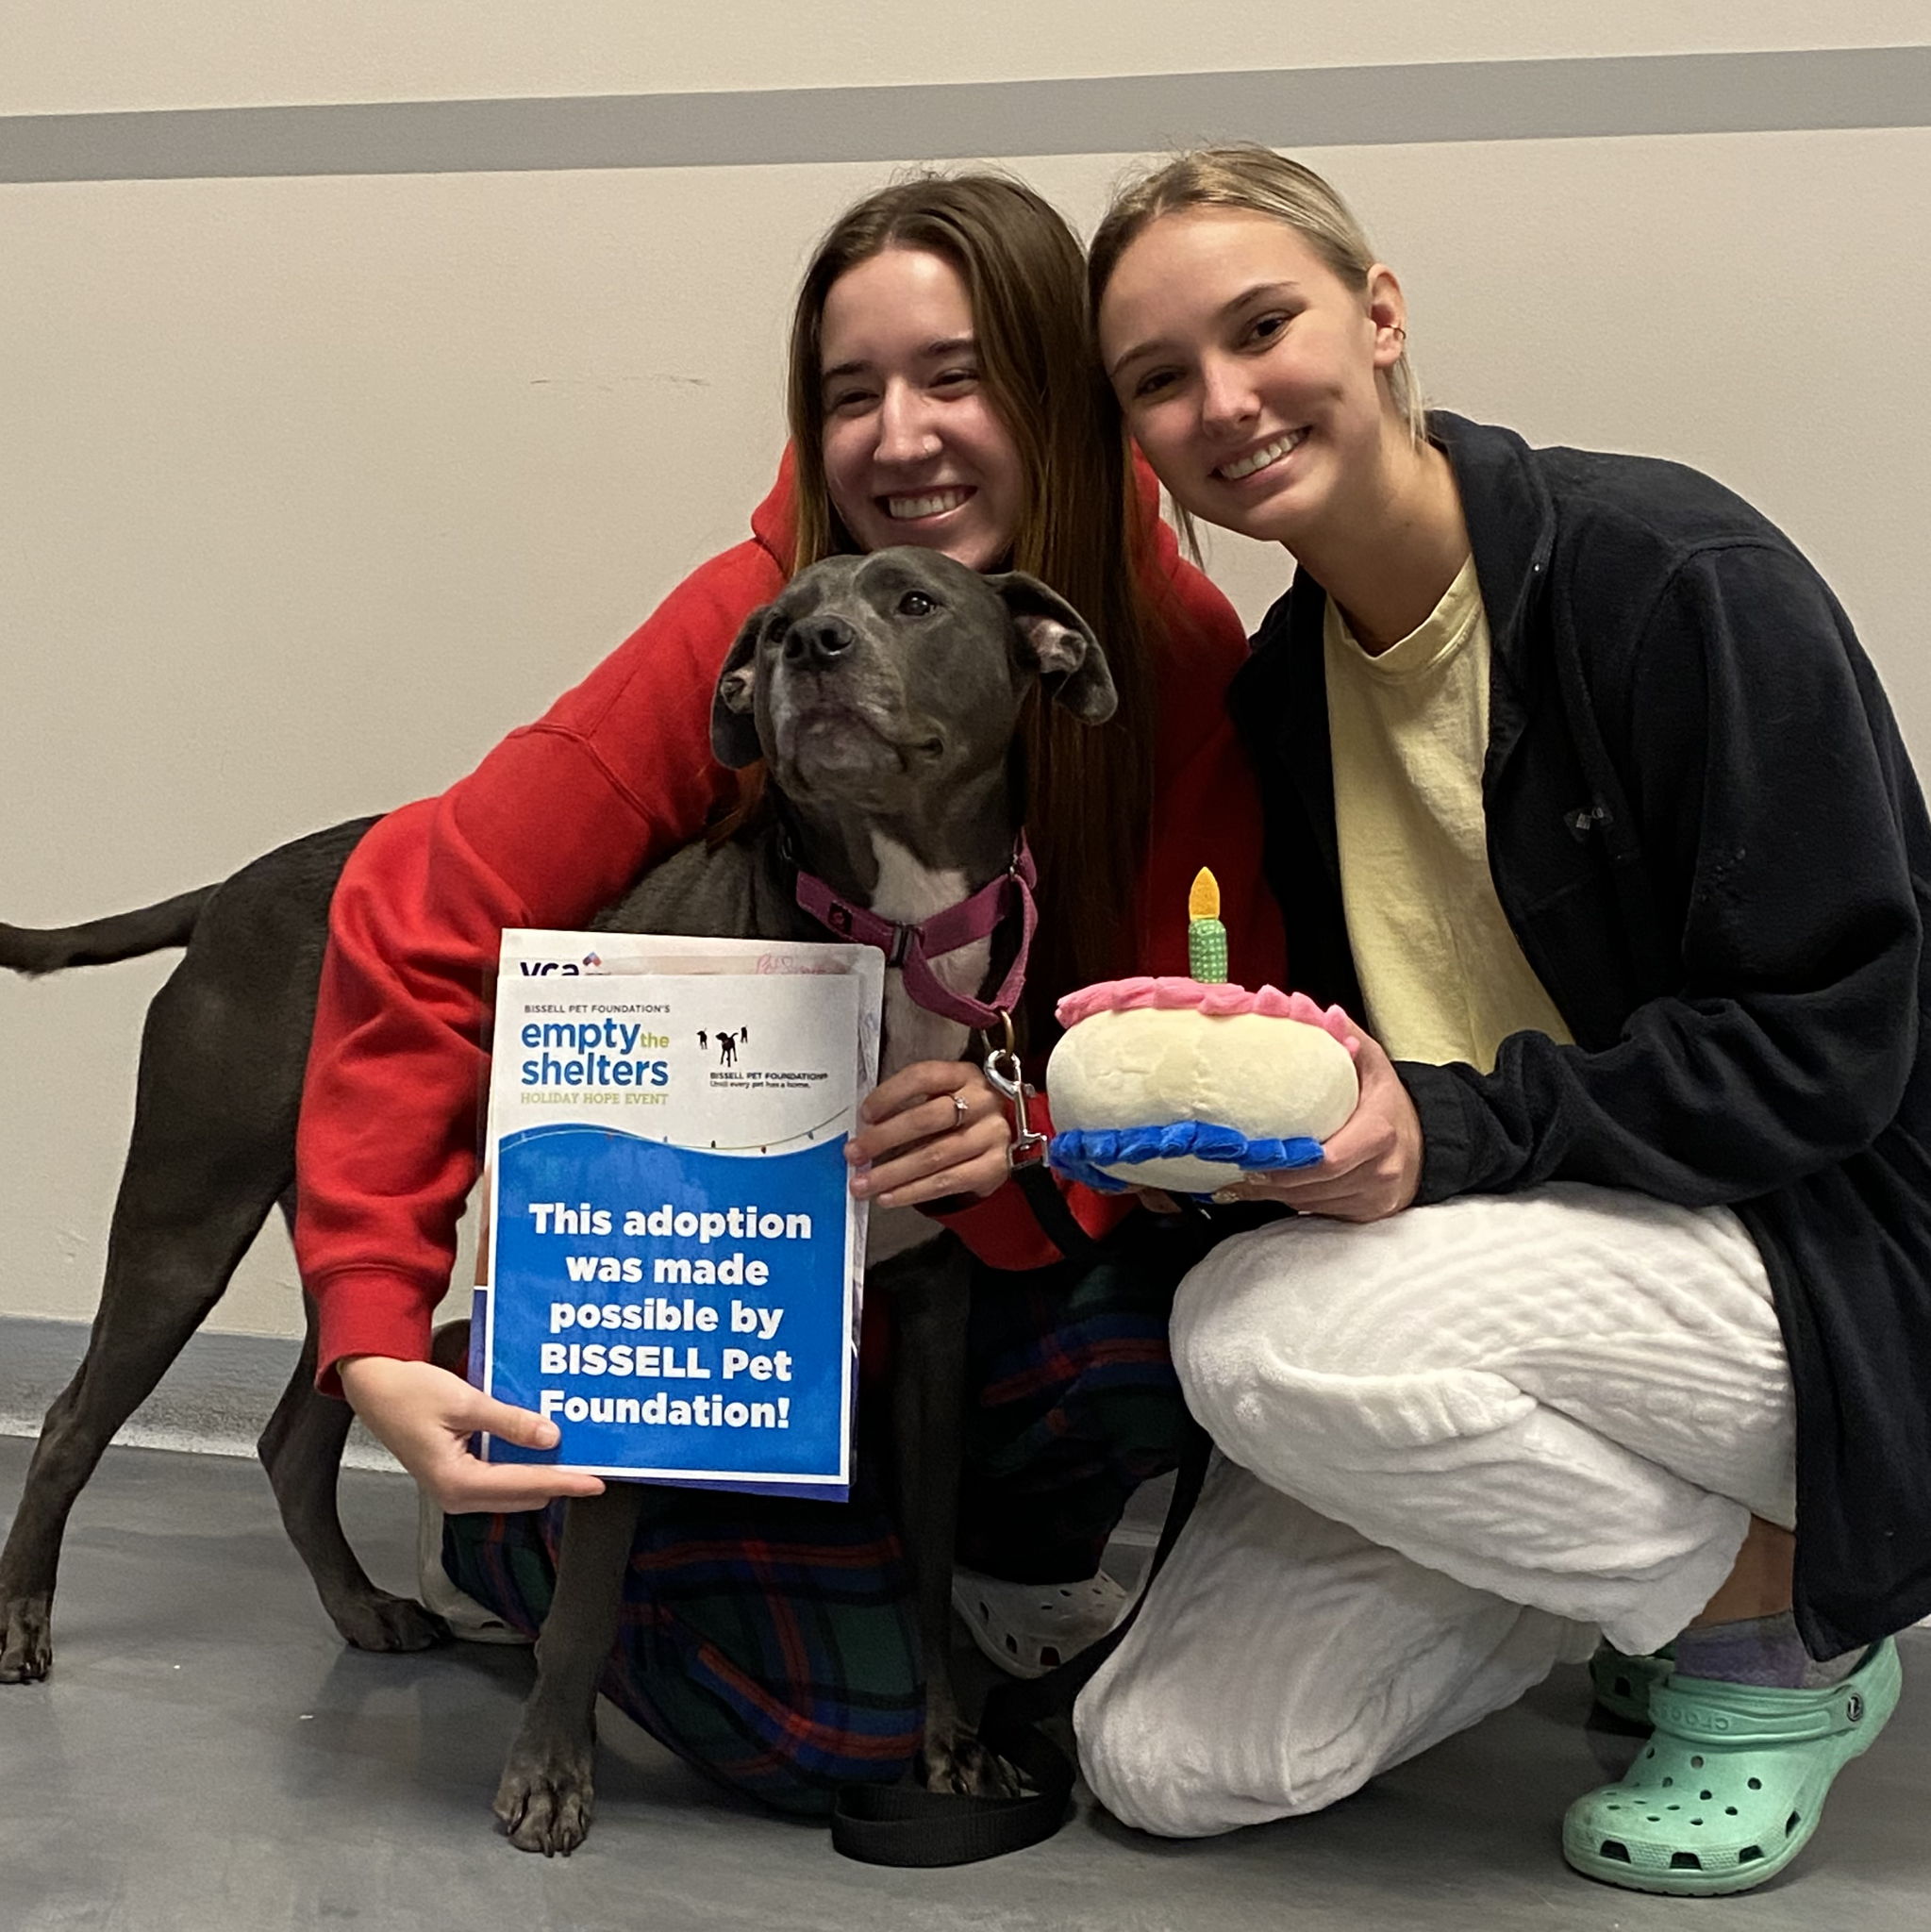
[819, 639]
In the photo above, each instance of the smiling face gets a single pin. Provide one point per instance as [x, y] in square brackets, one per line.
[1251, 374]
[914, 451]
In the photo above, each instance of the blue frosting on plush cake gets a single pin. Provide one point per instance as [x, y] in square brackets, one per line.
[1082, 1154]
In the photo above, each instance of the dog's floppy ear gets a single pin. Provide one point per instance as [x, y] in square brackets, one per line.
[734, 704]
[1060, 642]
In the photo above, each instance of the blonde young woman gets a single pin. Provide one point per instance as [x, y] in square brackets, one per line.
[942, 393]
[1582, 797]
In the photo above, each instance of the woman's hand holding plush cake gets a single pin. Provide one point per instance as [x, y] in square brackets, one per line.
[1198, 1085]
[1370, 1167]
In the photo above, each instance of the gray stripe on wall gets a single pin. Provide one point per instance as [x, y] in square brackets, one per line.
[1293, 107]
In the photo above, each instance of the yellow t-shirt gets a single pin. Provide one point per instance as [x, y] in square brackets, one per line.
[1440, 970]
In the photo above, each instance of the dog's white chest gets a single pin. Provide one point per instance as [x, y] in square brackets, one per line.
[908, 891]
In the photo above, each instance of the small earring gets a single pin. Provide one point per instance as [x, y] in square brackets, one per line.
[1401, 334]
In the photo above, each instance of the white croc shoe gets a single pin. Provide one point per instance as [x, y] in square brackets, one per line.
[1028, 1628]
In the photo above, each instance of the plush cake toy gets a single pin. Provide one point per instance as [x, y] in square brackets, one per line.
[1181, 1084]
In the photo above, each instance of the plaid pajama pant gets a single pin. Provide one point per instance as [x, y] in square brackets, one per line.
[770, 1642]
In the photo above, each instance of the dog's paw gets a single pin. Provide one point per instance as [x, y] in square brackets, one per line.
[377, 1621]
[27, 1638]
[545, 1808]
[960, 1764]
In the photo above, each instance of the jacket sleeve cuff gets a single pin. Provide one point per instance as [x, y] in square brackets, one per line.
[368, 1312]
[1440, 1105]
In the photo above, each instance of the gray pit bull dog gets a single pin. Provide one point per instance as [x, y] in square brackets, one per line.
[883, 691]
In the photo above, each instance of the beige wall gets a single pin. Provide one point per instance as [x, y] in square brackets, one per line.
[71, 56]
[311, 488]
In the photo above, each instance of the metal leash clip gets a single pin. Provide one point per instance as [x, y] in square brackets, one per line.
[1002, 1069]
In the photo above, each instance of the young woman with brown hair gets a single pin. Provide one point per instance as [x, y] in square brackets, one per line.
[942, 393]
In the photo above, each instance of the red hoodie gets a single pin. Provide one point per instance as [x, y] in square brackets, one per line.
[555, 823]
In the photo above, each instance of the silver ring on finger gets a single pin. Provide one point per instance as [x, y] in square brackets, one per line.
[960, 1112]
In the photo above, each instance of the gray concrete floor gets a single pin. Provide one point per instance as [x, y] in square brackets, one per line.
[207, 1757]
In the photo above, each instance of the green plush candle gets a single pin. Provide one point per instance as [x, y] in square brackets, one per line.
[1207, 938]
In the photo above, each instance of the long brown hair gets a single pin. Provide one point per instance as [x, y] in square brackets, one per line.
[1081, 529]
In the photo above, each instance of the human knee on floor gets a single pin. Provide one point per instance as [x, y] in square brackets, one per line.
[1147, 1761]
[1129, 1760]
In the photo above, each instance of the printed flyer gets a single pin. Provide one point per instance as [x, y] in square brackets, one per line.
[673, 1265]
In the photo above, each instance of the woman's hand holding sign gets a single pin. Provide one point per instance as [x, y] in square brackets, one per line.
[424, 1417]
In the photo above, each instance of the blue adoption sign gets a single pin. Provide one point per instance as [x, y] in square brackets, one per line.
[674, 1260]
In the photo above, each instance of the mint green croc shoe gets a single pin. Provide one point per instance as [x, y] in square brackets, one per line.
[1623, 1682]
[1730, 1785]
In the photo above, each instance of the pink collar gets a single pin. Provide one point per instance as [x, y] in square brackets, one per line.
[911, 947]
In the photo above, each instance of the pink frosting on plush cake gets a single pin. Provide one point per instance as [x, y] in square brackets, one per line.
[1218, 1001]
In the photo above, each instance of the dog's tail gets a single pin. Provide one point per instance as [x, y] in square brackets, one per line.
[101, 942]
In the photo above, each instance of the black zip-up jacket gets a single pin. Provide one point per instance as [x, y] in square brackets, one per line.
[1705, 831]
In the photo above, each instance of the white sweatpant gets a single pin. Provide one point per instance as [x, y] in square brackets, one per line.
[1455, 1446]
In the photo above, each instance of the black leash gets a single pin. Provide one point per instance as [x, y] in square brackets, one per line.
[901, 1825]
[1055, 1214]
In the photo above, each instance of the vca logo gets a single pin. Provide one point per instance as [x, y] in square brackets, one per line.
[561, 969]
